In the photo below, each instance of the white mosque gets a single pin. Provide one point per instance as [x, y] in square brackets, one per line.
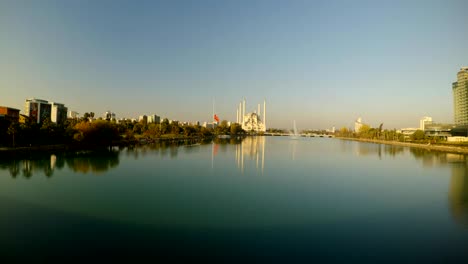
[251, 121]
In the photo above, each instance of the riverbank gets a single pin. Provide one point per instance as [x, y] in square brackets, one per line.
[27, 150]
[435, 147]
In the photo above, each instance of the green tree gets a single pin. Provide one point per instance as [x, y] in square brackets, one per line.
[236, 129]
[364, 129]
[164, 126]
[138, 128]
[99, 133]
[418, 135]
[222, 128]
[13, 130]
[344, 132]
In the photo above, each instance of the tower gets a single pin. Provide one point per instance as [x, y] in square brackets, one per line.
[460, 97]
[243, 111]
[264, 114]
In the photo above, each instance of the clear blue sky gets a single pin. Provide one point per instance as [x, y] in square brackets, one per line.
[322, 63]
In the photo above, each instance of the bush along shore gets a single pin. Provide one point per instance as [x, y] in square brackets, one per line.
[82, 134]
[439, 146]
[391, 137]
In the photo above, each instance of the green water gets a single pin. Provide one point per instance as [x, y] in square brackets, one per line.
[271, 198]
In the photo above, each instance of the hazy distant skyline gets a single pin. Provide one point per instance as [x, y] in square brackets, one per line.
[322, 63]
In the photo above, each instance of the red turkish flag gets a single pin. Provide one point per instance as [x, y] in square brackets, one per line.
[216, 118]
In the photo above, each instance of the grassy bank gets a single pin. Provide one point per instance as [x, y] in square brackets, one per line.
[446, 147]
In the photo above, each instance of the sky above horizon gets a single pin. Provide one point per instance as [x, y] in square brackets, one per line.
[321, 63]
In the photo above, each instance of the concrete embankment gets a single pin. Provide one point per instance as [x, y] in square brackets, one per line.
[436, 147]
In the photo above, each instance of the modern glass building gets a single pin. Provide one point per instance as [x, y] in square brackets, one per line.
[460, 97]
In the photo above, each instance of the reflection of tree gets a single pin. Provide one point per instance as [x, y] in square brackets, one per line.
[365, 149]
[84, 162]
[174, 151]
[27, 169]
[14, 169]
[60, 162]
[393, 150]
[95, 162]
[428, 157]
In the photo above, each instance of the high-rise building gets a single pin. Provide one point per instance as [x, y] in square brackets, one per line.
[427, 120]
[143, 118]
[154, 119]
[58, 112]
[37, 110]
[109, 115]
[460, 97]
[358, 125]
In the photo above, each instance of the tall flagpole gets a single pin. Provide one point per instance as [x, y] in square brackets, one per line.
[212, 142]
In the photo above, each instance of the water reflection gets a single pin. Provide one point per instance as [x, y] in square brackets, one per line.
[458, 187]
[84, 162]
[458, 163]
[458, 190]
[252, 148]
[379, 149]
[94, 162]
[249, 153]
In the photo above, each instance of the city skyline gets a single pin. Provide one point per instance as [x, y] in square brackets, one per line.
[322, 64]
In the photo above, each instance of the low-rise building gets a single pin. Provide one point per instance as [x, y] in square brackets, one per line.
[438, 130]
[73, 114]
[23, 119]
[9, 113]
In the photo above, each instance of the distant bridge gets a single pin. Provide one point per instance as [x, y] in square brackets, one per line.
[301, 135]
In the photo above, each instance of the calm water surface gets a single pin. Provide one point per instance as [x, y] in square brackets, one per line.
[272, 198]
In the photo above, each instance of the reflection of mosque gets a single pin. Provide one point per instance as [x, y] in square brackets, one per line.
[252, 149]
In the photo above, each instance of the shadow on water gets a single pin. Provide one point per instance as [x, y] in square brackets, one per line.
[458, 163]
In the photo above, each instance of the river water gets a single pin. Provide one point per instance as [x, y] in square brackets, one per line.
[264, 198]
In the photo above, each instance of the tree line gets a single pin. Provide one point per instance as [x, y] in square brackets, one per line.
[367, 132]
[101, 132]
